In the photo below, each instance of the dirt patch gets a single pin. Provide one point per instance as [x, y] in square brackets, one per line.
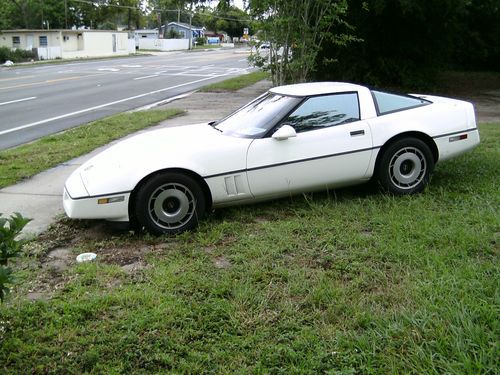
[222, 263]
[134, 267]
[128, 256]
[54, 253]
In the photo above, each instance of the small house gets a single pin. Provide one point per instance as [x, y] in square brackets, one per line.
[64, 44]
[183, 30]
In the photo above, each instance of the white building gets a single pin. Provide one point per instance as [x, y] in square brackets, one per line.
[145, 34]
[65, 44]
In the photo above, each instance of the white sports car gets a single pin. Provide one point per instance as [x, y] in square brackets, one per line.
[292, 139]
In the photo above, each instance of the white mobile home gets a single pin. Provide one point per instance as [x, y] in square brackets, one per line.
[65, 44]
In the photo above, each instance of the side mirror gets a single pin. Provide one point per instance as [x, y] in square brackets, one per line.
[285, 132]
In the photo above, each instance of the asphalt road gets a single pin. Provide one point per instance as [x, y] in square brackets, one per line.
[45, 99]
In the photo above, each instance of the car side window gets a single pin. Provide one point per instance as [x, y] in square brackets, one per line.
[388, 103]
[324, 111]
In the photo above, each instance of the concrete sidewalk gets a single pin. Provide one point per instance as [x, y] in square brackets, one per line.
[40, 197]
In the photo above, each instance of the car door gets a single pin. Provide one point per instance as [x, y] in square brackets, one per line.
[332, 147]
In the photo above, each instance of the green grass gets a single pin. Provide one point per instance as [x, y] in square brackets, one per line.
[206, 46]
[346, 282]
[25, 161]
[236, 83]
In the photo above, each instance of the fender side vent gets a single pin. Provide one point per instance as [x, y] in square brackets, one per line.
[235, 185]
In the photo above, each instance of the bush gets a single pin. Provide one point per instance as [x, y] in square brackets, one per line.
[200, 41]
[173, 34]
[4, 54]
[10, 247]
[17, 55]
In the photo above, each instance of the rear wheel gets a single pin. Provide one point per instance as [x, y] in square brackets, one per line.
[406, 166]
[169, 203]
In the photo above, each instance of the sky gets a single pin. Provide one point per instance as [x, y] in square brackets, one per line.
[238, 3]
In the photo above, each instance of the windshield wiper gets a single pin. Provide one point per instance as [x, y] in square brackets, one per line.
[213, 124]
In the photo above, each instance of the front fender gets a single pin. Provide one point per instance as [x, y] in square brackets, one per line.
[198, 149]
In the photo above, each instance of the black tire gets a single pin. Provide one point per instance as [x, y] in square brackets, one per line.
[405, 167]
[169, 203]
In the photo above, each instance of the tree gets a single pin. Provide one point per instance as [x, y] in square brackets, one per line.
[224, 17]
[408, 43]
[173, 10]
[477, 40]
[297, 29]
[20, 13]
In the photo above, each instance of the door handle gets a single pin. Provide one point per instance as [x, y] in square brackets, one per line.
[357, 132]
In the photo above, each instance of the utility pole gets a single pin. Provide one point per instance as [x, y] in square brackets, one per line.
[190, 31]
[43, 20]
[66, 14]
[160, 33]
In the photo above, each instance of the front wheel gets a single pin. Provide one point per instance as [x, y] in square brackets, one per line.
[406, 166]
[169, 203]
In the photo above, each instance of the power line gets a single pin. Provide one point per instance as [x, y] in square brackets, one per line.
[99, 4]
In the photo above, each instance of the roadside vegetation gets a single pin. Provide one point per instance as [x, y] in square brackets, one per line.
[236, 83]
[347, 281]
[27, 160]
[16, 56]
[10, 247]
[205, 46]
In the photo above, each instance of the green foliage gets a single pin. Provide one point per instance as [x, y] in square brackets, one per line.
[407, 43]
[224, 18]
[297, 29]
[17, 55]
[29, 14]
[10, 247]
[477, 37]
[236, 83]
[108, 26]
[173, 34]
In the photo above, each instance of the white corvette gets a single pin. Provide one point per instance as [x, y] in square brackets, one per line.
[292, 139]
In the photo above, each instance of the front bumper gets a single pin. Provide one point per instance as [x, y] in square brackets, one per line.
[116, 209]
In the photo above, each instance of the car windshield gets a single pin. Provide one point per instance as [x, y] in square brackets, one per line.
[259, 116]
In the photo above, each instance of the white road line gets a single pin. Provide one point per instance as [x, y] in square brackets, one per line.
[18, 100]
[165, 101]
[151, 76]
[102, 106]
[196, 75]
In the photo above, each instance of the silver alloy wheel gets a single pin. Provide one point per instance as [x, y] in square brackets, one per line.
[407, 167]
[171, 205]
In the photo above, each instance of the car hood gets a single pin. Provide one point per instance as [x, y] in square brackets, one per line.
[198, 148]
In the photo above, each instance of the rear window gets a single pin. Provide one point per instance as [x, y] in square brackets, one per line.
[388, 103]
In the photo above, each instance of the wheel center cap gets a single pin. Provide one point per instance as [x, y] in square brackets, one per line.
[406, 167]
[171, 205]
